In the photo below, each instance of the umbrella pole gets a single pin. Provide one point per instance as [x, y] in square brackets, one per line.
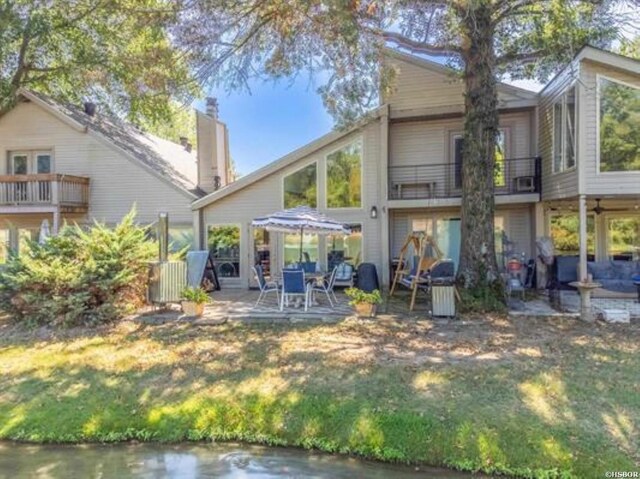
[301, 241]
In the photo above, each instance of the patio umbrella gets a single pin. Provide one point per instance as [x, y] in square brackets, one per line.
[45, 232]
[301, 219]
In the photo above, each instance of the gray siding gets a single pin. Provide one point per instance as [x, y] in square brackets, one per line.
[597, 183]
[419, 86]
[563, 184]
[518, 224]
[266, 196]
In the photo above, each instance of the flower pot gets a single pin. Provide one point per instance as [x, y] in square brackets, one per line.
[191, 308]
[365, 310]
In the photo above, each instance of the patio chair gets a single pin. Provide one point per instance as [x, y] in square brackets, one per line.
[294, 284]
[344, 275]
[326, 286]
[264, 285]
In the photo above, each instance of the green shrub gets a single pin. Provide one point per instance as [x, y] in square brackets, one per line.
[80, 276]
[195, 295]
[358, 296]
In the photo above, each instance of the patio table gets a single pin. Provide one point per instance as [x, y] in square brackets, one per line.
[309, 278]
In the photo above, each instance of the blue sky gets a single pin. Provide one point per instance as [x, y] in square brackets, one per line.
[271, 121]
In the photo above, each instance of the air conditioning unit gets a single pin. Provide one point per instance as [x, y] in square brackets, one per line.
[167, 279]
[525, 184]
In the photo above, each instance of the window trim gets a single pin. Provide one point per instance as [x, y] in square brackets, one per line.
[459, 134]
[562, 99]
[600, 77]
[615, 215]
[32, 159]
[362, 248]
[360, 140]
[241, 265]
[300, 168]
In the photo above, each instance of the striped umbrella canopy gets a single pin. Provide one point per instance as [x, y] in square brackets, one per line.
[301, 219]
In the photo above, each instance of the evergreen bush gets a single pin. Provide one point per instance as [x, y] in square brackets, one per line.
[81, 276]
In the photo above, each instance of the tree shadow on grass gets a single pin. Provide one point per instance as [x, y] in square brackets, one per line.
[369, 390]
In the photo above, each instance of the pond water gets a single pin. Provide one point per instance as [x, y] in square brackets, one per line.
[18, 461]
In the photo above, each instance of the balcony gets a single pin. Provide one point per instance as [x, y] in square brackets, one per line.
[44, 192]
[515, 176]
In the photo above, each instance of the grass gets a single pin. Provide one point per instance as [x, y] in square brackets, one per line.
[523, 397]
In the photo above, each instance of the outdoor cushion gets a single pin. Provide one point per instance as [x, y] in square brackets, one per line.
[618, 285]
[601, 270]
[624, 269]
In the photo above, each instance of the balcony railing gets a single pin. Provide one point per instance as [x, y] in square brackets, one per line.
[44, 190]
[512, 177]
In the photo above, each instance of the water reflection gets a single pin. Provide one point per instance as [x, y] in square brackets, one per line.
[18, 461]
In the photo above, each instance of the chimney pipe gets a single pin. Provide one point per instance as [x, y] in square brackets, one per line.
[212, 107]
[163, 236]
[90, 108]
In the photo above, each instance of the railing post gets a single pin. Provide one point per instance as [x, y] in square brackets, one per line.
[538, 174]
[55, 190]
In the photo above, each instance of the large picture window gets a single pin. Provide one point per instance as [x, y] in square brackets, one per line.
[224, 245]
[564, 132]
[345, 248]
[292, 249]
[619, 126]
[300, 188]
[565, 232]
[344, 177]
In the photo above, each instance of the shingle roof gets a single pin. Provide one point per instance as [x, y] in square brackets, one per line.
[169, 159]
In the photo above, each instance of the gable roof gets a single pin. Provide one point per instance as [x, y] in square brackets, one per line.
[167, 160]
[283, 162]
[445, 70]
[598, 55]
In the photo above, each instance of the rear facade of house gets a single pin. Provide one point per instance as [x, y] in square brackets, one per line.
[65, 163]
[400, 172]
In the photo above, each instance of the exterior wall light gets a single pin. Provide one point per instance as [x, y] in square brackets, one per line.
[374, 212]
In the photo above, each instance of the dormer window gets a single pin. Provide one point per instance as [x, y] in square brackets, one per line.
[564, 131]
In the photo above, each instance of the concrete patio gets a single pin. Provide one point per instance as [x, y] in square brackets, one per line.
[570, 306]
[240, 304]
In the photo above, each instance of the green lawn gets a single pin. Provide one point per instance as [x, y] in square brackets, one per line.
[526, 397]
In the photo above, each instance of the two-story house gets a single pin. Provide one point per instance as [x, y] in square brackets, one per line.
[400, 171]
[74, 163]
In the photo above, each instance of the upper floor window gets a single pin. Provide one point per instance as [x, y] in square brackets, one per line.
[564, 131]
[300, 188]
[29, 162]
[344, 177]
[619, 126]
[499, 179]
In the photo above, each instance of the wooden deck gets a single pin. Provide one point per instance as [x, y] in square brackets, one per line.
[44, 192]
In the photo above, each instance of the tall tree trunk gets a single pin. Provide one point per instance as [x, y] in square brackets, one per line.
[478, 267]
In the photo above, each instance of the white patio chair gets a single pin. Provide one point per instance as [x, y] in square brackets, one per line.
[326, 286]
[264, 285]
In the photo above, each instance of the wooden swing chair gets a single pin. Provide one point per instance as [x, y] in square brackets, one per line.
[426, 254]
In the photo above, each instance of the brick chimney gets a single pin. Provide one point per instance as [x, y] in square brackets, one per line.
[213, 149]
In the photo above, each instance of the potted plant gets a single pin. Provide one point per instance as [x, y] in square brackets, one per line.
[193, 301]
[365, 303]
